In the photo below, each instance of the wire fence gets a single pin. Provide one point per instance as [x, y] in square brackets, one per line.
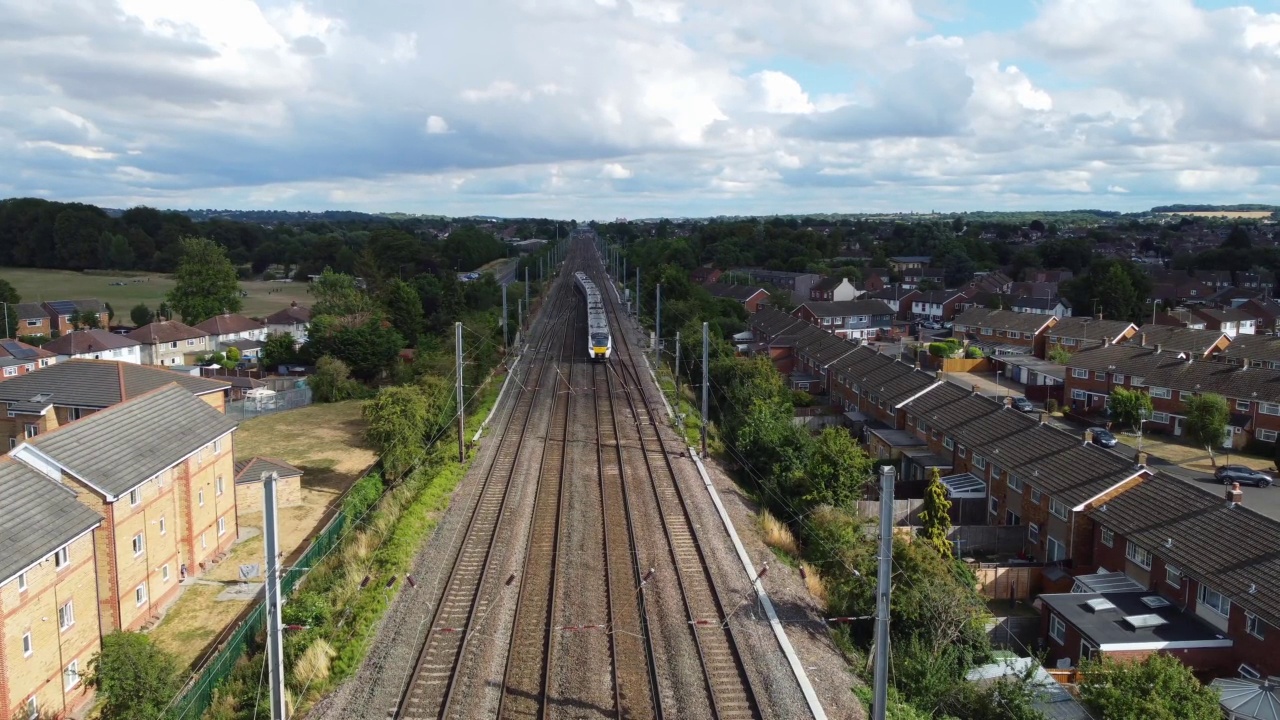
[251, 406]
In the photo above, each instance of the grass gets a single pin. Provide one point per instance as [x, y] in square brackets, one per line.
[36, 285]
[777, 535]
[1193, 457]
[813, 582]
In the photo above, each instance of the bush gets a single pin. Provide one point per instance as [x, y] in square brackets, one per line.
[777, 535]
[310, 609]
[135, 679]
[973, 352]
[1051, 405]
[332, 381]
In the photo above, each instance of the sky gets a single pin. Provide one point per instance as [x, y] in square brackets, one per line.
[598, 109]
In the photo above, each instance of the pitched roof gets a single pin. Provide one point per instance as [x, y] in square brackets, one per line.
[1177, 338]
[741, 293]
[1089, 328]
[67, 307]
[88, 341]
[1222, 315]
[1252, 347]
[251, 470]
[770, 321]
[21, 351]
[98, 383]
[827, 284]
[290, 315]
[29, 311]
[165, 331]
[939, 297]
[229, 323]
[1003, 320]
[1176, 370]
[893, 292]
[1230, 549]
[37, 516]
[124, 445]
[1039, 303]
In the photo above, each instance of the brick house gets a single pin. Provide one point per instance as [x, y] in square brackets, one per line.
[1041, 306]
[1074, 334]
[749, 296]
[1256, 350]
[95, 344]
[169, 342]
[1229, 321]
[937, 305]
[228, 329]
[903, 263]
[60, 313]
[32, 319]
[1010, 332]
[295, 320]
[159, 470]
[798, 284]
[1196, 343]
[834, 289]
[18, 358]
[897, 297]
[849, 319]
[1265, 312]
[48, 598]
[41, 401]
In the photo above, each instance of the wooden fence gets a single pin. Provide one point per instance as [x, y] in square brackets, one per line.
[988, 538]
[1008, 583]
[965, 365]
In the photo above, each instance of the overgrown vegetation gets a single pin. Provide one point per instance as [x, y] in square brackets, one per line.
[1159, 687]
[134, 679]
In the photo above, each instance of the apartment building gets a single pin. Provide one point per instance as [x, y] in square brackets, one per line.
[1003, 331]
[169, 342]
[1074, 334]
[48, 601]
[849, 319]
[159, 470]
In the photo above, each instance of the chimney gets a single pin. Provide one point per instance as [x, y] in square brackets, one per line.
[1099, 316]
[1142, 340]
[1044, 418]
[1008, 401]
[293, 303]
[1244, 363]
[975, 389]
[1235, 496]
[1106, 342]
[1158, 348]
[1141, 458]
[1088, 436]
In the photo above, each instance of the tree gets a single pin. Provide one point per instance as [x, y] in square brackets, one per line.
[85, 319]
[141, 315]
[404, 419]
[338, 294]
[111, 312]
[934, 520]
[10, 297]
[332, 381]
[279, 349]
[837, 469]
[404, 309]
[1059, 355]
[368, 347]
[206, 282]
[1128, 406]
[233, 354]
[1207, 417]
[1159, 687]
[135, 679]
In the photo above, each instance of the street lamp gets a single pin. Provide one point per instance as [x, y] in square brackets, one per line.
[1143, 415]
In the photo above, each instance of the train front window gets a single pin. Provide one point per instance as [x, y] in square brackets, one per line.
[599, 339]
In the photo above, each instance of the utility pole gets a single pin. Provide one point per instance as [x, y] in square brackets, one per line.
[275, 623]
[880, 697]
[623, 276]
[504, 317]
[657, 325]
[677, 363]
[705, 376]
[462, 424]
[519, 316]
[526, 286]
[637, 294]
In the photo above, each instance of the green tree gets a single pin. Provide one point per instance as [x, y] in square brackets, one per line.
[837, 469]
[404, 309]
[404, 419]
[111, 312]
[135, 679]
[85, 319]
[1059, 355]
[368, 346]
[1159, 687]
[206, 282]
[934, 520]
[1207, 417]
[117, 252]
[1128, 406]
[10, 297]
[338, 294]
[332, 381]
[279, 349]
[233, 354]
[141, 315]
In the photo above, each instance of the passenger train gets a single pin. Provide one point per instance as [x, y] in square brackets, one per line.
[599, 339]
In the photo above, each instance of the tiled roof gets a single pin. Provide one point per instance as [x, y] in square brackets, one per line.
[1002, 320]
[1230, 549]
[290, 315]
[1040, 303]
[1089, 328]
[251, 470]
[166, 331]
[28, 311]
[826, 284]
[67, 307]
[21, 351]
[88, 341]
[1224, 314]
[37, 516]
[741, 293]
[1176, 338]
[1253, 347]
[893, 292]
[116, 449]
[938, 297]
[98, 383]
[771, 321]
[1171, 369]
[845, 308]
[227, 324]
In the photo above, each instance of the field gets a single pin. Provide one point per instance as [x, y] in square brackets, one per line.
[1241, 214]
[35, 285]
[325, 441]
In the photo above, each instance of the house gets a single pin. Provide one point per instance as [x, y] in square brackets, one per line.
[897, 297]
[1265, 313]
[48, 595]
[248, 483]
[169, 342]
[914, 277]
[49, 398]
[750, 296]
[1230, 321]
[158, 469]
[834, 289]
[230, 328]
[700, 275]
[18, 358]
[991, 282]
[95, 344]
[294, 320]
[1261, 351]
[1041, 306]
[1179, 317]
[60, 313]
[1074, 334]
[1003, 331]
[937, 305]
[849, 319]
[798, 284]
[904, 263]
[32, 319]
[1196, 343]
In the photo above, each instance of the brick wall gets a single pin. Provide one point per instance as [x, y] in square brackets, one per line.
[205, 505]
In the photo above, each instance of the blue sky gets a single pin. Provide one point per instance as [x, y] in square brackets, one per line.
[637, 108]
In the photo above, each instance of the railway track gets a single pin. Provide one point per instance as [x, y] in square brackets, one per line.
[430, 687]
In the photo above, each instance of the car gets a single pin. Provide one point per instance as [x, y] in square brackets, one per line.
[1023, 404]
[1228, 474]
[1103, 437]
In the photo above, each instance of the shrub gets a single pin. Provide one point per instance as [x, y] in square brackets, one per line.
[813, 582]
[1051, 405]
[134, 678]
[332, 381]
[306, 608]
[778, 535]
[973, 352]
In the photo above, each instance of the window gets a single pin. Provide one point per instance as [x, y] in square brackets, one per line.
[135, 496]
[34, 323]
[1137, 381]
[62, 557]
[1172, 576]
[1252, 624]
[1070, 342]
[217, 446]
[995, 505]
[1183, 395]
[33, 709]
[826, 321]
[1214, 600]
[10, 371]
[1108, 537]
[1267, 408]
[1138, 555]
[138, 545]
[1087, 650]
[173, 345]
[27, 647]
[1160, 417]
[1015, 483]
[1118, 379]
[1057, 629]
[1056, 551]
[204, 544]
[1247, 671]
[1080, 373]
[200, 497]
[22, 582]
[1058, 508]
[1100, 375]
[32, 430]
[222, 526]
[980, 462]
[1266, 435]
[1012, 518]
[164, 573]
[161, 524]
[1035, 496]
[962, 452]
[1159, 392]
[75, 413]
[191, 343]
[140, 594]
[1242, 405]
[986, 331]
[13, 443]
[1077, 395]
[71, 676]
[66, 616]
[1033, 533]
[948, 444]
[218, 485]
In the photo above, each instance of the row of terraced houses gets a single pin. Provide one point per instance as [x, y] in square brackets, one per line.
[117, 486]
[1136, 562]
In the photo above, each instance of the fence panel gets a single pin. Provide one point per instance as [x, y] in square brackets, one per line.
[281, 400]
[1008, 583]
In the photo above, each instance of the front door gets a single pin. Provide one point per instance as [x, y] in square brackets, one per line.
[1177, 425]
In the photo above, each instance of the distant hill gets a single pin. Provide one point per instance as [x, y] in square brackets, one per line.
[1247, 207]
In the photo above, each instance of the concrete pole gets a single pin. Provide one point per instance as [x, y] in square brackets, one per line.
[880, 681]
[705, 383]
[519, 316]
[526, 286]
[637, 292]
[677, 363]
[6, 320]
[275, 623]
[623, 276]
[462, 423]
[657, 325]
[504, 318]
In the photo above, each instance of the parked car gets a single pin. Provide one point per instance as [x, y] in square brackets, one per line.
[1103, 437]
[1023, 404]
[1244, 475]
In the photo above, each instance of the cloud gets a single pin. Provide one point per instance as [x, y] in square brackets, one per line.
[436, 125]
[615, 171]
[777, 92]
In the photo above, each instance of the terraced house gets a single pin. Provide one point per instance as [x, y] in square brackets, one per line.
[1004, 332]
[158, 469]
[1074, 334]
[848, 319]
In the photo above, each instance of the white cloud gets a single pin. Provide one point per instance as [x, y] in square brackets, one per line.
[436, 125]
[615, 171]
[778, 92]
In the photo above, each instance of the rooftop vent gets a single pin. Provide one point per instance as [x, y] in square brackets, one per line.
[1140, 622]
[42, 397]
[1155, 601]
[1098, 605]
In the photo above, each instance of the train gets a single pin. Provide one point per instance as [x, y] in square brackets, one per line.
[599, 338]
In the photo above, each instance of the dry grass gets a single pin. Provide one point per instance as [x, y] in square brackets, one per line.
[1192, 457]
[813, 581]
[313, 665]
[777, 535]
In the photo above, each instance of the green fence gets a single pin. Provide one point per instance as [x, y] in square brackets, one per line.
[198, 695]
